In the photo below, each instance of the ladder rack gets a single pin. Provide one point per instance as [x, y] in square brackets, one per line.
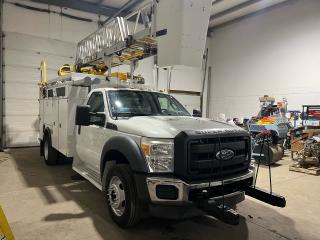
[120, 40]
[164, 28]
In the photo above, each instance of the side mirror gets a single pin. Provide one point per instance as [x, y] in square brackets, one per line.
[196, 113]
[98, 119]
[83, 115]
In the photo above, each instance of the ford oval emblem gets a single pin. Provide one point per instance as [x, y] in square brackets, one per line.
[225, 154]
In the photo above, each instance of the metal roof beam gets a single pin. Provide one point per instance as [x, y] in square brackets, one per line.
[135, 4]
[124, 8]
[216, 1]
[253, 14]
[81, 5]
[234, 9]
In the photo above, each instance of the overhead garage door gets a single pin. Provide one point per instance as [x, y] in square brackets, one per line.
[22, 56]
[32, 36]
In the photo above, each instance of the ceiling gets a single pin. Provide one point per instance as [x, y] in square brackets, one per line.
[223, 13]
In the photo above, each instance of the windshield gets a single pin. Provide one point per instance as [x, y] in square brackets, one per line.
[129, 103]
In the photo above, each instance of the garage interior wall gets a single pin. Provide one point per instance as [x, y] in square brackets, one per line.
[30, 37]
[275, 53]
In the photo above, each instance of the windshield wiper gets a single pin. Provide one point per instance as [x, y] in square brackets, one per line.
[133, 114]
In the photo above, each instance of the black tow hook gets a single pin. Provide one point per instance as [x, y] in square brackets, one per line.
[267, 197]
[220, 211]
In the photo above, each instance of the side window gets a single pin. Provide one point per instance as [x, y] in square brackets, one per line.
[61, 92]
[97, 106]
[50, 93]
[44, 93]
[96, 102]
[167, 105]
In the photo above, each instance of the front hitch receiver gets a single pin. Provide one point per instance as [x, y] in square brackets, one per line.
[267, 197]
[221, 212]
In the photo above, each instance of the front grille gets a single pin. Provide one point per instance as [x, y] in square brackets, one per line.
[201, 161]
[202, 155]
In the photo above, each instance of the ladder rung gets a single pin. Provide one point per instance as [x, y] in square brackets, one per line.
[112, 38]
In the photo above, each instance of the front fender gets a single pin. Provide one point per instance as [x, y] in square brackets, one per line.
[129, 148]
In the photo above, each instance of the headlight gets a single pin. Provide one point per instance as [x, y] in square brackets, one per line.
[158, 153]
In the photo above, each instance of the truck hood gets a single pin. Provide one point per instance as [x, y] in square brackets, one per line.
[170, 126]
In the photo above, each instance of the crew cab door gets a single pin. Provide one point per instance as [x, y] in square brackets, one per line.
[91, 139]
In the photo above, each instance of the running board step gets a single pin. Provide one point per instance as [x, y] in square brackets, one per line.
[267, 197]
[221, 212]
[88, 174]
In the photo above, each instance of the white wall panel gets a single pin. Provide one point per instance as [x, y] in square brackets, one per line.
[31, 37]
[19, 20]
[54, 26]
[277, 53]
[27, 42]
[33, 59]
[189, 79]
[17, 107]
[20, 91]
[20, 130]
[21, 74]
[26, 75]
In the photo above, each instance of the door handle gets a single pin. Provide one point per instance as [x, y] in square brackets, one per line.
[59, 125]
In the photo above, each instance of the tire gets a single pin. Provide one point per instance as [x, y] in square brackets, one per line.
[41, 148]
[121, 196]
[50, 155]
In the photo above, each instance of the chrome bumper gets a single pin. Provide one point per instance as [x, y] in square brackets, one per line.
[184, 188]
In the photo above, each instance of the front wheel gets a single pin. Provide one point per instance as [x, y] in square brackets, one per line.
[121, 196]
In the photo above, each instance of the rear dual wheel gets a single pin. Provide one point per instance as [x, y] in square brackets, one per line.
[49, 153]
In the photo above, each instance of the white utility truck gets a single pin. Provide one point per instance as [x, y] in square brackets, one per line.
[141, 147]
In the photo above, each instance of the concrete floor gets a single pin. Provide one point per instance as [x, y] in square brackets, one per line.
[44, 202]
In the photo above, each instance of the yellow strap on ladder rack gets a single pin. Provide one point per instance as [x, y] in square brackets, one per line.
[5, 230]
[43, 73]
[135, 54]
[120, 75]
[65, 69]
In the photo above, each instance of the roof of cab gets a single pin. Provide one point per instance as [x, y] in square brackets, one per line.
[127, 89]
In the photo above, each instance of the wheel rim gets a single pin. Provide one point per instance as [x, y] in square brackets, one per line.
[116, 196]
[46, 150]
